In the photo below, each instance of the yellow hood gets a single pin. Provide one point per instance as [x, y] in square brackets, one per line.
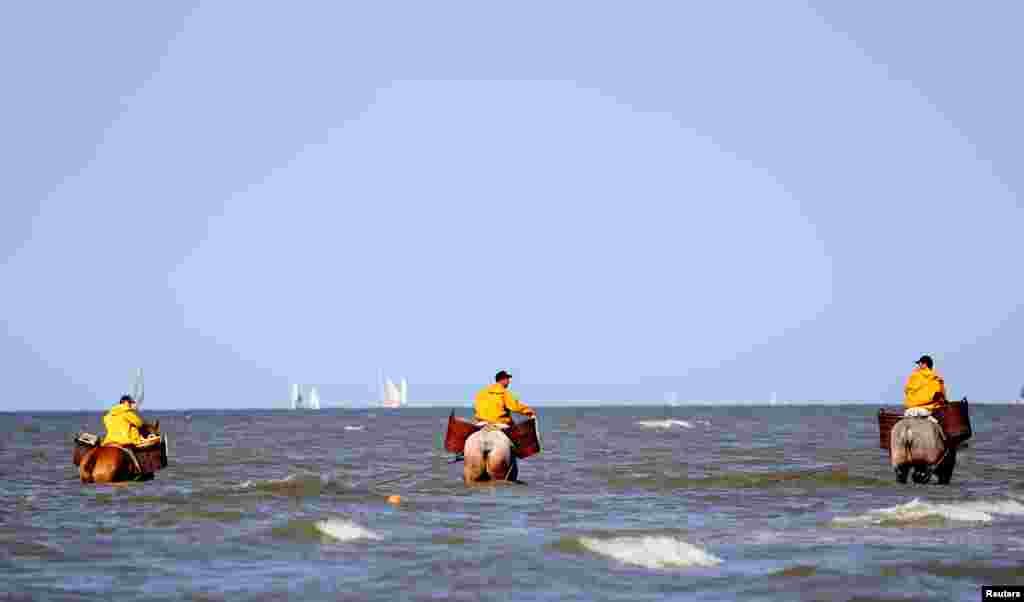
[921, 389]
[123, 425]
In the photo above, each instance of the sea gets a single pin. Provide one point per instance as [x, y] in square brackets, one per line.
[624, 503]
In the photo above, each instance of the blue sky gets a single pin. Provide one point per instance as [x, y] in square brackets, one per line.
[722, 201]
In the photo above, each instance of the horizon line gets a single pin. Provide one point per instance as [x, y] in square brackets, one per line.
[552, 404]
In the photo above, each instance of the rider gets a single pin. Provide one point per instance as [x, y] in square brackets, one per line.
[925, 388]
[495, 403]
[124, 423]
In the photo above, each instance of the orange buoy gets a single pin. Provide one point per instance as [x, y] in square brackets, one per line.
[394, 499]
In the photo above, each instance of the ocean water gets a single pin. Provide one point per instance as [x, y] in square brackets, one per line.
[625, 503]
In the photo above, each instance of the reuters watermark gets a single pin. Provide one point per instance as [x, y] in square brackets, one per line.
[1002, 592]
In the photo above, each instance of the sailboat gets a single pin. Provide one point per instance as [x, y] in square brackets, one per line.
[305, 402]
[137, 388]
[395, 397]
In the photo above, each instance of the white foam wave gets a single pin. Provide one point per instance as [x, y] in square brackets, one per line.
[652, 552]
[292, 478]
[354, 427]
[916, 510]
[344, 530]
[247, 484]
[665, 424]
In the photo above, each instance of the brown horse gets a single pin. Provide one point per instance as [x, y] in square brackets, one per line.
[110, 464]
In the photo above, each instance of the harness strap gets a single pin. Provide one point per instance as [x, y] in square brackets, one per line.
[131, 454]
[489, 427]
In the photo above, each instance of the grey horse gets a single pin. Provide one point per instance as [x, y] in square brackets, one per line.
[918, 444]
[488, 456]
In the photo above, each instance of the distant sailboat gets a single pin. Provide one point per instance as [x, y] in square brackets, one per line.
[137, 388]
[395, 397]
[774, 400]
[305, 402]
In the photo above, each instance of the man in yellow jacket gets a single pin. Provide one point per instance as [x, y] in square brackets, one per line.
[495, 403]
[925, 388]
[124, 425]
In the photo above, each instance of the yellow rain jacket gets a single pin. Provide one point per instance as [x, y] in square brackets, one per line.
[921, 388]
[123, 426]
[496, 404]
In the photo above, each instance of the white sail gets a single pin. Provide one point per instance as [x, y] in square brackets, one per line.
[314, 398]
[137, 389]
[296, 397]
[392, 396]
[404, 392]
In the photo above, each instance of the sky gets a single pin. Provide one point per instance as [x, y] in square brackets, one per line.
[611, 201]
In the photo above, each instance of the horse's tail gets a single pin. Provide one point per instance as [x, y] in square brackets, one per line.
[908, 443]
[88, 463]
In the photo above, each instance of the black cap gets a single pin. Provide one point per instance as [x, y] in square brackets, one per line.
[926, 360]
[501, 376]
[125, 398]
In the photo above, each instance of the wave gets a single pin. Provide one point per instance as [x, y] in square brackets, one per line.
[284, 481]
[985, 572]
[653, 478]
[916, 511]
[166, 519]
[354, 427]
[344, 530]
[665, 424]
[652, 552]
[293, 485]
[799, 570]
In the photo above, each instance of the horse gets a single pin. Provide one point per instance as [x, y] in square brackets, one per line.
[111, 463]
[488, 456]
[919, 444]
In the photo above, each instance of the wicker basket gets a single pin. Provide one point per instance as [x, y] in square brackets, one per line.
[459, 429]
[153, 457]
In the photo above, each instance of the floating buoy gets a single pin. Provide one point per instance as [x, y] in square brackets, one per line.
[394, 499]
